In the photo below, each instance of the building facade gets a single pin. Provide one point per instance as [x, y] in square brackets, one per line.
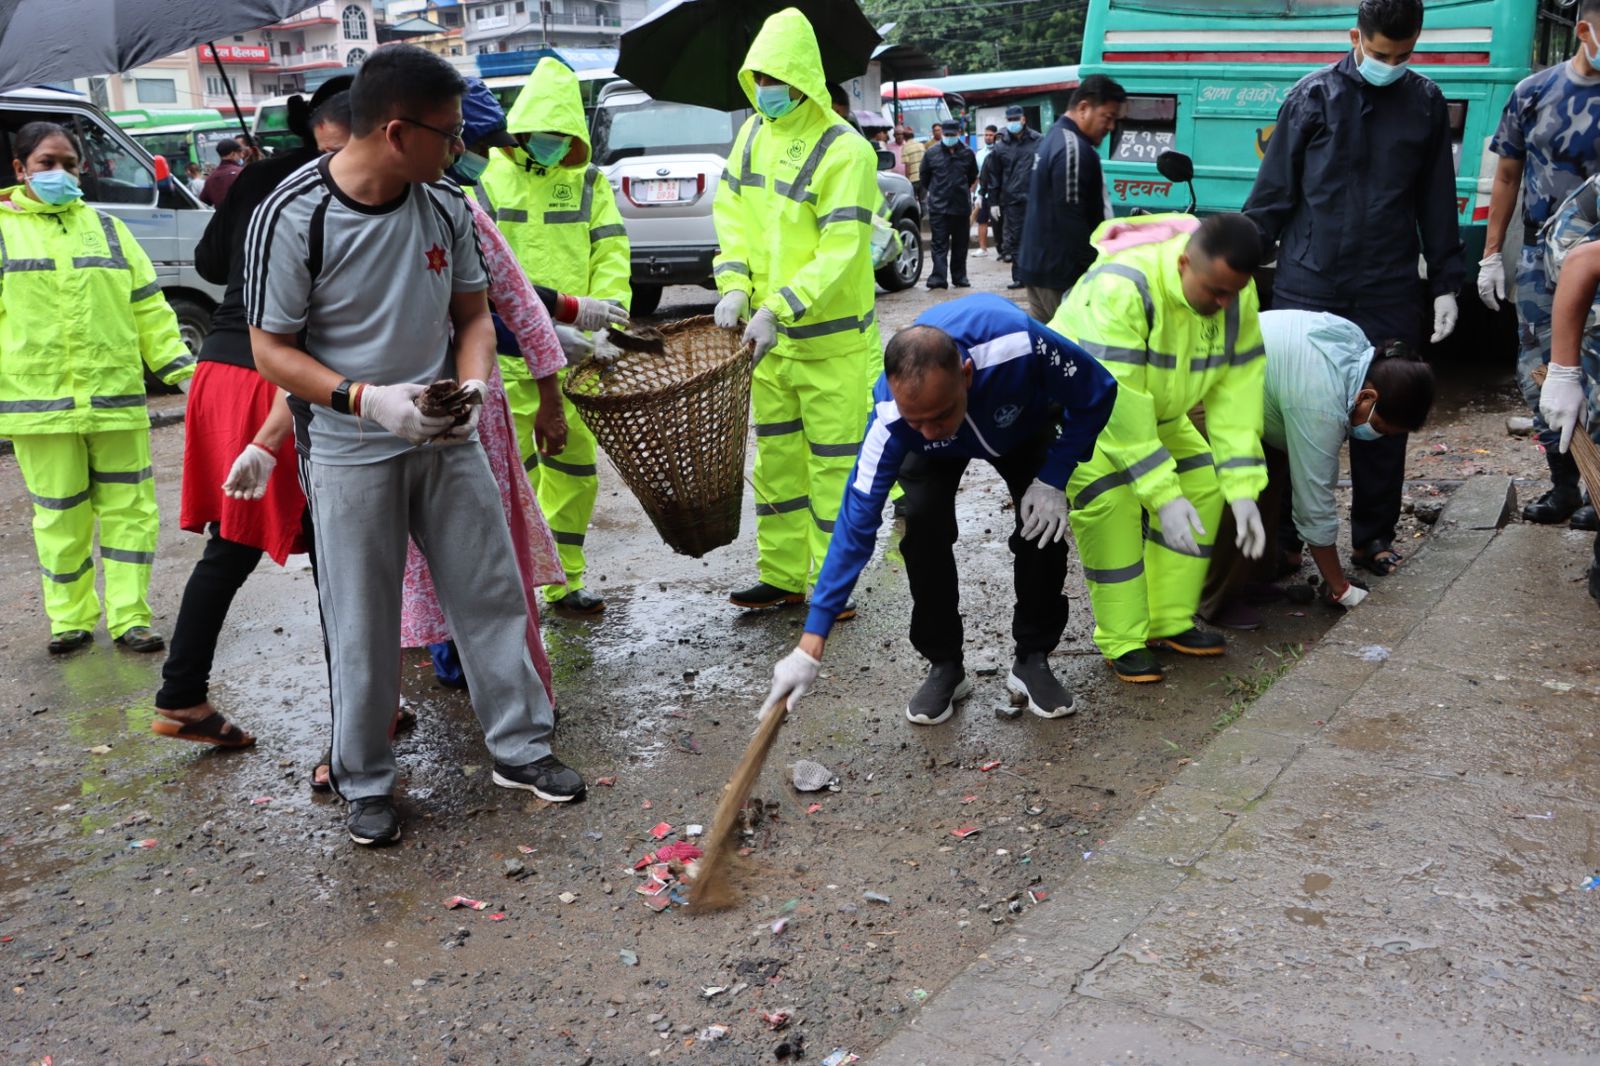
[514, 25]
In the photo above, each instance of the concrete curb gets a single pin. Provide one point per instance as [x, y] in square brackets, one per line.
[166, 417]
[999, 1009]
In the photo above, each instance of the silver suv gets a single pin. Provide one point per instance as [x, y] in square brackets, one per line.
[664, 161]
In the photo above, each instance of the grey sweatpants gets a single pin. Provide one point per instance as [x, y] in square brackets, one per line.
[446, 499]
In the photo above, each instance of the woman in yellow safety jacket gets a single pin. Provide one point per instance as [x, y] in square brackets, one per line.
[81, 315]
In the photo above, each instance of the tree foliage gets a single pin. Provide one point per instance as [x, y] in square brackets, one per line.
[976, 36]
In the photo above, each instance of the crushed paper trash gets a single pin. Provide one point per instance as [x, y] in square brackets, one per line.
[661, 830]
[965, 831]
[988, 766]
[840, 1057]
[462, 901]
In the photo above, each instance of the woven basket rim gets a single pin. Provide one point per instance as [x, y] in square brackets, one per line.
[590, 367]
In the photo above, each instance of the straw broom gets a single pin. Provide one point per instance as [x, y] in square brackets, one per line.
[713, 888]
[1582, 449]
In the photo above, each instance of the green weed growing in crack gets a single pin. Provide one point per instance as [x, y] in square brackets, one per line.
[1243, 689]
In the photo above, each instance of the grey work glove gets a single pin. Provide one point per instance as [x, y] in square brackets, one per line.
[394, 407]
[792, 678]
[761, 333]
[732, 309]
[1043, 513]
[597, 314]
[575, 344]
[1180, 525]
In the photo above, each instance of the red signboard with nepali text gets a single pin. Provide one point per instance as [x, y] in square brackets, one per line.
[239, 53]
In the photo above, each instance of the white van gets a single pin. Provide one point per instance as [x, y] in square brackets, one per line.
[119, 178]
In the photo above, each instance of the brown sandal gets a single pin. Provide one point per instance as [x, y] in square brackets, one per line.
[214, 729]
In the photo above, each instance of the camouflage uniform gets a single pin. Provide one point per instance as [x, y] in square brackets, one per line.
[1552, 124]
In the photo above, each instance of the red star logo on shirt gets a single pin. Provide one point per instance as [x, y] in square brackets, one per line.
[436, 259]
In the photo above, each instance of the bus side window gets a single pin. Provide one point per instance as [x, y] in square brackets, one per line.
[109, 173]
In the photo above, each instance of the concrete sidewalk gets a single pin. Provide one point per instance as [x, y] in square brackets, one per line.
[1380, 862]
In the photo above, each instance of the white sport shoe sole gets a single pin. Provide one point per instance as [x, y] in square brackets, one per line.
[963, 690]
[1020, 695]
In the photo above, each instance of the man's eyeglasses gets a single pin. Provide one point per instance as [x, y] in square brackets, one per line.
[452, 135]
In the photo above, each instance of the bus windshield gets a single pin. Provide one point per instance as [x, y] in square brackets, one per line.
[1244, 7]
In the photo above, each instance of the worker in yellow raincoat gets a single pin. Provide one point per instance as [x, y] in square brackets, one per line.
[1170, 309]
[81, 316]
[557, 212]
[794, 217]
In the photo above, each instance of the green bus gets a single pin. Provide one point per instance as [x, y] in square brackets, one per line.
[1206, 77]
[186, 142]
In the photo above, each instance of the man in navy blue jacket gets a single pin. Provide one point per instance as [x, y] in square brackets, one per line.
[974, 378]
[1067, 195]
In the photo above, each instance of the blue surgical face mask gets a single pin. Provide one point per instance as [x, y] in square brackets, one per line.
[950, 142]
[55, 187]
[548, 149]
[774, 100]
[1366, 430]
[1014, 127]
[1378, 73]
[469, 167]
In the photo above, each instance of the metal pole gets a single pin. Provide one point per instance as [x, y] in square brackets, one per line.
[544, 21]
[228, 85]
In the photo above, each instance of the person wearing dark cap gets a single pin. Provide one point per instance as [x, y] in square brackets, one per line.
[1011, 166]
[229, 168]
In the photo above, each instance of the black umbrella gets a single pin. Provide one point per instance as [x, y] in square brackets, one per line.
[58, 40]
[690, 51]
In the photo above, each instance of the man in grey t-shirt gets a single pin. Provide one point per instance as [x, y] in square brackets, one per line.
[364, 284]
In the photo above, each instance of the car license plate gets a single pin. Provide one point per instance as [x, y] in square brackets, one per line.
[661, 192]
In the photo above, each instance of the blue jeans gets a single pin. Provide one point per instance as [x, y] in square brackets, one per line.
[1534, 299]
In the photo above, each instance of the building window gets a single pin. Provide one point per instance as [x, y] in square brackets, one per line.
[216, 85]
[355, 57]
[98, 93]
[355, 23]
[521, 7]
[499, 9]
[156, 90]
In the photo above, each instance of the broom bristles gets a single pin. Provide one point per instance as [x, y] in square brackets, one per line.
[713, 888]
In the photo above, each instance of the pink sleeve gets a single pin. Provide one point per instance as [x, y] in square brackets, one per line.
[515, 301]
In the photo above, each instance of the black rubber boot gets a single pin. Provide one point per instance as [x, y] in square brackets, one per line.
[1585, 519]
[1563, 499]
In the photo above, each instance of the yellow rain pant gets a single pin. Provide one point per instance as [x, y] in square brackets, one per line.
[75, 478]
[1141, 589]
[566, 484]
[810, 417]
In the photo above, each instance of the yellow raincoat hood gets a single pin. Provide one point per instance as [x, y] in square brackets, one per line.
[551, 102]
[786, 49]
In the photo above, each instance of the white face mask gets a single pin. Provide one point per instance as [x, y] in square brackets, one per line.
[1592, 56]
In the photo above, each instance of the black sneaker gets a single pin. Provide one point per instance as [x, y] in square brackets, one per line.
[141, 639]
[760, 596]
[71, 640]
[373, 821]
[549, 778]
[1033, 683]
[1138, 667]
[579, 601]
[935, 699]
[1194, 641]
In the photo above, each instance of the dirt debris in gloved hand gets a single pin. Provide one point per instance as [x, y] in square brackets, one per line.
[446, 399]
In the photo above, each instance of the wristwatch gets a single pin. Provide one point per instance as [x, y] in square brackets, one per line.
[340, 401]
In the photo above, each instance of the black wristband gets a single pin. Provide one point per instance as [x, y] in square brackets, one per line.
[340, 400]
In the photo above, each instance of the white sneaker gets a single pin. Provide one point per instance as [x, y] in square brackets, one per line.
[981, 253]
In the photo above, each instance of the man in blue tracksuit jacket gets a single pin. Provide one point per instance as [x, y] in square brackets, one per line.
[974, 378]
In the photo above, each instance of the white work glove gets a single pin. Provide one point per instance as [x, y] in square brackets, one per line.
[394, 407]
[597, 314]
[1180, 525]
[458, 434]
[1561, 400]
[575, 344]
[732, 309]
[247, 479]
[994, 211]
[1492, 281]
[183, 386]
[761, 332]
[1250, 536]
[1353, 595]
[792, 678]
[1044, 513]
[1445, 314]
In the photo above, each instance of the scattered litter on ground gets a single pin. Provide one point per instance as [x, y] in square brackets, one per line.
[628, 958]
[1590, 883]
[712, 1033]
[811, 776]
[513, 868]
[1038, 895]
[776, 1019]
[646, 805]
[693, 830]
[525, 849]
[261, 801]
[840, 1057]
[814, 808]
[875, 897]
[965, 831]
[712, 991]
[989, 766]
[1373, 653]
[498, 916]
[1519, 426]
[661, 830]
[568, 897]
[100, 749]
[148, 842]
[919, 994]
[1558, 686]
[1007, 710]
[462, 901]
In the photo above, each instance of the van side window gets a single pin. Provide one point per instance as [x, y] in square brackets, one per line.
[110, 173]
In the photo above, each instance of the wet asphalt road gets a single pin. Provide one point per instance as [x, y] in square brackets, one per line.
[252, 931]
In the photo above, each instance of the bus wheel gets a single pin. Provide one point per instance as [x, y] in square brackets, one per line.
[646, 298]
